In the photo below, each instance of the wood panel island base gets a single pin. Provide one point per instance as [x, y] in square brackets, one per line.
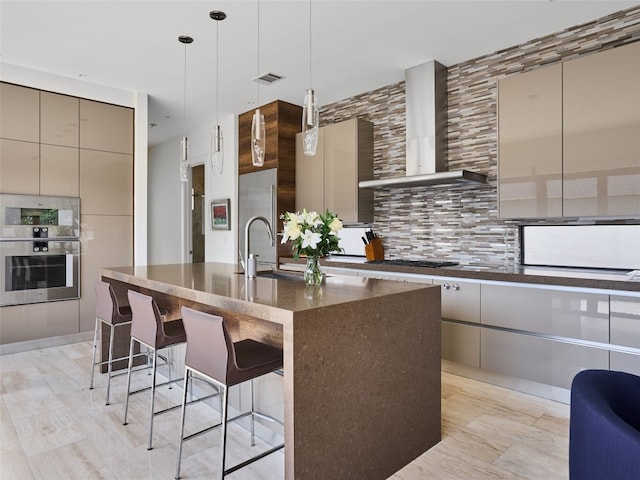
[361, 359]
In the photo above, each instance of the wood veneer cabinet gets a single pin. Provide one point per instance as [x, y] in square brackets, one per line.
[601, 148]
[329, 180]
[530, 144]
[282, 121]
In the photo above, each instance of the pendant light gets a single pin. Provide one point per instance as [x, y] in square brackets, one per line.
[184, 143]
[217, 144]
[310, 114]
[258, 130]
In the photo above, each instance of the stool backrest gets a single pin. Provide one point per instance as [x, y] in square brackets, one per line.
[105, 301]
[146, 321]
[209, 347]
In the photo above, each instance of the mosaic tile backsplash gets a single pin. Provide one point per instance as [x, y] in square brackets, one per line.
[461, 223]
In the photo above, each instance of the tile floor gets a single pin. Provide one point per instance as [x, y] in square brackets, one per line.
[53, 427]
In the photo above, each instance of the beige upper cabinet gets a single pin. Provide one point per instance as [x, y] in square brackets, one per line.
[569, 138]
[59, 119]
[344, 157]
[19, 113]
[530, 144]
[106, 127]
[601, 108]
[310, 194]
[106, 183]
[59, 171]
[19, 167]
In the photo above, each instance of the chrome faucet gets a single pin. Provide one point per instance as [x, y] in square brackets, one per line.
[250, 259]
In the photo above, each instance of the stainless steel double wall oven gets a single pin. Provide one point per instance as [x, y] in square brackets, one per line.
[39, 248]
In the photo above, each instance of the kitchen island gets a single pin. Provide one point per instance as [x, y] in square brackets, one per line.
[361, 358]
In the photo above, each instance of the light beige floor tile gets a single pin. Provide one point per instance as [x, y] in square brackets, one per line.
[64, 430]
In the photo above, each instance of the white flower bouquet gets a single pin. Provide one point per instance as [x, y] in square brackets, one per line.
[311, 234]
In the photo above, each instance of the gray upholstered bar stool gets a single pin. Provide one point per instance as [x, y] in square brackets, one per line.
[110, 313]
[212, 355]
[148, 329]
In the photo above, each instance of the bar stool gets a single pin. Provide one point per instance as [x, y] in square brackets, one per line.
[148, 329]
[112, 314]
[212, 356]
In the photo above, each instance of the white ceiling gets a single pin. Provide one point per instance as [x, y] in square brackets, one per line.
[357, 45]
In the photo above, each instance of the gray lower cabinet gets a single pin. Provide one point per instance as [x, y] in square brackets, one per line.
[539, 333]
[461, 343]
[460, 301]
[577, 315]
[625, 332]
[537, 359]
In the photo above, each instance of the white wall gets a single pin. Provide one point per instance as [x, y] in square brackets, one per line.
[137, 100]
[170, 202]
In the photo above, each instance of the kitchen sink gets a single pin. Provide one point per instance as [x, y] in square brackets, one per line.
[278, 275]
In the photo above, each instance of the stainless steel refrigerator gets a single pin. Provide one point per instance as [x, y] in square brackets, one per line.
[257, 196]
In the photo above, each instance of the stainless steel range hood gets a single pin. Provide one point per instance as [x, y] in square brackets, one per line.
[426, 125]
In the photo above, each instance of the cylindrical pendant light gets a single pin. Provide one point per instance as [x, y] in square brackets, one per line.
[217, 143]
[258, 129]
[184, 143]
[310, 114]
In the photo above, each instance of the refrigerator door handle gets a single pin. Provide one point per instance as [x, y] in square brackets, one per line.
[274, 215]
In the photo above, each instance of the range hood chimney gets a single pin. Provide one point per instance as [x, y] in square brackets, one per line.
[426, 126]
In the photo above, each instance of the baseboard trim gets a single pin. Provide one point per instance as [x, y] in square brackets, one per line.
[39, 343]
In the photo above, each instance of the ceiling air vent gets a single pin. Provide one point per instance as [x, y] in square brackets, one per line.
[268, 78]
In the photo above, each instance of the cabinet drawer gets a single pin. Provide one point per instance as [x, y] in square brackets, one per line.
[625, 321]
[552, 312]
[537, 359]
[461, 343]
[460, 300]
[625, 362]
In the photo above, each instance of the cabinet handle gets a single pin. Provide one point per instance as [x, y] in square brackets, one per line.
[446, 286]
[456, 286]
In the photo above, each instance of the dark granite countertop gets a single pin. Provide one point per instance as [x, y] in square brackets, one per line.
[568, 277]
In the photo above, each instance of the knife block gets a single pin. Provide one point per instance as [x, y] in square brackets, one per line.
[373, 250]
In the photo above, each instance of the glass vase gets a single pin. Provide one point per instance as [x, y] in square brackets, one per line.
[313, 274]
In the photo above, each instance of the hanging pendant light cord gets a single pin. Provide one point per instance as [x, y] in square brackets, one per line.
[309, 43]
[184, 94]
[258, 75]
[217, 76]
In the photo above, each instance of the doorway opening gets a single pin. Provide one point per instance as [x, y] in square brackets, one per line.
[198, 211]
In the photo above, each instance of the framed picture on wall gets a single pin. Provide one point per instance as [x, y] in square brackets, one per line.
[220, 214]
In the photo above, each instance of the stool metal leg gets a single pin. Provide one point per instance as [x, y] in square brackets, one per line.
[153, 396]
[95, 347]
[225, 409]
[187, 376]
[253, 418]
[126, 401]
[109, 367]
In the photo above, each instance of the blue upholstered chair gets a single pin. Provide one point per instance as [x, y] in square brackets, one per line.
[604, 438]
